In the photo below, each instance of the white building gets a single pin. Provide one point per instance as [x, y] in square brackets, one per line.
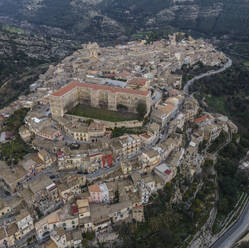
[24, 222]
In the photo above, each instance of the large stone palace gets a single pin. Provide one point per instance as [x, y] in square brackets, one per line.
[101, 96]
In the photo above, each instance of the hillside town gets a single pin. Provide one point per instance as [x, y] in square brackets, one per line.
[105, 130]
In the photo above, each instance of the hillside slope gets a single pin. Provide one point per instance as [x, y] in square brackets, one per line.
[212, 17]
[106, 20]
[38, 32]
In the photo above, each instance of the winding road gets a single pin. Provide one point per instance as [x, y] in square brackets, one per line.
[235, 232]
[207, 74]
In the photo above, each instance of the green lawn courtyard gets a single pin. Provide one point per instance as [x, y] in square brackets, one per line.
[102, 114]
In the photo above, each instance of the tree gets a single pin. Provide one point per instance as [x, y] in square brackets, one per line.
[141, 109]
[89, 121]
[244, 244]
[116, 197]
[223, 205]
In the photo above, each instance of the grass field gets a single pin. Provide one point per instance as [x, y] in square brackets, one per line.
[101, 114]
[246, 63]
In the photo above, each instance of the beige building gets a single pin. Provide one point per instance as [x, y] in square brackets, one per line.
[24, 222]
[49, 132]
[83, 207]
[126, 167]
[62, 217]
[64, 239]
[150, 159]
[101, 96]
[126, 146]
[43, 187]
[4, 208]
[25, 133]
[79, 132]
[71, 186]
[11, 178]
[46, 158]
[8, 235]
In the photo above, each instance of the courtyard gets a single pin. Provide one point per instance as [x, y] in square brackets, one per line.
[102, 114]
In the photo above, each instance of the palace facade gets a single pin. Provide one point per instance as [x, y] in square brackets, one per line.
[100, 96]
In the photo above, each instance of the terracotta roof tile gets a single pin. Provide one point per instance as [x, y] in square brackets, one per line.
[94, 188]
[201, 119]
[137, 81]
[74, 84]
[146, 136]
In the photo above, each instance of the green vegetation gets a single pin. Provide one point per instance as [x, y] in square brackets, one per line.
[16, 148]
[169, 225]
[217, 103]
[133, 17]
[15, 121]
[116, 197]
[244, 244]
[232, 18]
[231, 180]
[141, 109]
[87, 237]
[246, 63]
[228, 93]
[218, 143]
[17, 69]
[12, 29]
[19, 66]
[119, 131]
[189, 72]
[102, 114]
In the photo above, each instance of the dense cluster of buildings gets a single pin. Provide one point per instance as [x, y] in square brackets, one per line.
[81, 177]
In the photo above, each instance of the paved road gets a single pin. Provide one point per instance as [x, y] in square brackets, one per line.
[100, 172]
[156, 97]
[235, 232]
[207, 74]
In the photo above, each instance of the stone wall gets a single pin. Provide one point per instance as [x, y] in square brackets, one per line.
[109, 124]
[60, 104]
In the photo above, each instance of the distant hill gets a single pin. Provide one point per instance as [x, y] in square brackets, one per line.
[212, 17]
[106, 20]
[70, 19]
[36, 33]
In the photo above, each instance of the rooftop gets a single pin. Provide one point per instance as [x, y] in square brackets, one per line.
[75, 84]
[94, 188]
[201, 119]
[2, 233]
[164, 169]
[40, 183]
[151, 153]
[23, 214]
[137, 82]
[12, 176]
[12, 229]
[82, 203]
